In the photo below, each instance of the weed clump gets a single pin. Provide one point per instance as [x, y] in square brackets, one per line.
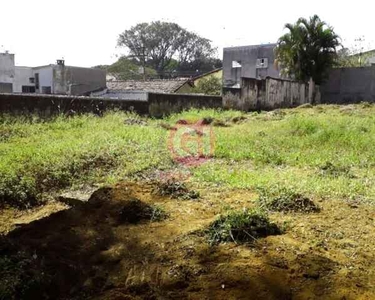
[135, 121]
[329, 169]
[175, 189]
[286, 200]
[241, 227]
[134, 211]
[238, 119]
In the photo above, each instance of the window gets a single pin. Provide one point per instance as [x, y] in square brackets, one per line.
[46, 90]
[28, 89]
[262, 63]
[37, 81]
[236, 64]
[31, 80]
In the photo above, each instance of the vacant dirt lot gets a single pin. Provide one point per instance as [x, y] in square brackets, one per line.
[87, 252]
[310, 171]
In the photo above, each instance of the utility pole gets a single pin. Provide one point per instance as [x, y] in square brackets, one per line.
[141, 55]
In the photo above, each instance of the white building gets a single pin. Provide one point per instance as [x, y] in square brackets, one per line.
[7, 72]
[50, 79]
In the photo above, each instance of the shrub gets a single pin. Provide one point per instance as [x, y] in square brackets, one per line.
[285, 200]
[241, 227]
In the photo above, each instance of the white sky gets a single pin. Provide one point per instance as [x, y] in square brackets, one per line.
[85, 32]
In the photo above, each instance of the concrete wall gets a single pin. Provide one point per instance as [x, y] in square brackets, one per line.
[164, 104]
[48, 105]
[7, 72]
[157, 104]
[22, 78]
[247, 56]
[349, 85]
[77, 81]
[269, 94]
[45, 77]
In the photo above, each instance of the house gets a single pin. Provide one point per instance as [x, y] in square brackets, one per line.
[366, 58]
[189, 85]
[256, 62]
[50, 79]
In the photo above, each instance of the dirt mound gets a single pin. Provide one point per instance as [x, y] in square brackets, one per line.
[241, 227]
[284, 200]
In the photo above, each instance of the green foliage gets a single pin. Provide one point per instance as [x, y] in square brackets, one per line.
[209, 86]
[308, 50]
[158, 213]
[285, 200]
[126, 69]
[241, 227]
[352, 58]
[162, 44]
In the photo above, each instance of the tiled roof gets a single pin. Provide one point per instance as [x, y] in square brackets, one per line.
[156, 86]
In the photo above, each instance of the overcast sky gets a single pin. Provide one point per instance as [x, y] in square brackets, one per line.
[85, 32]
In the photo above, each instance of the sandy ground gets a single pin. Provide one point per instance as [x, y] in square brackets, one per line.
[90, 254]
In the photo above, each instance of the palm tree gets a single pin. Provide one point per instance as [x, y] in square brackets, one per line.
[308, 50]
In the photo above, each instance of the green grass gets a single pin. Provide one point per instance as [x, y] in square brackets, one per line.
[39, 156]
[320, 152]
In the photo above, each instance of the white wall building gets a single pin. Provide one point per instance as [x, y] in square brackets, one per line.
[49, 79]
[7, 72]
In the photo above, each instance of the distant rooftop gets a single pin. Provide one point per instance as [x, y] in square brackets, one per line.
[156, 86]
[273, 45]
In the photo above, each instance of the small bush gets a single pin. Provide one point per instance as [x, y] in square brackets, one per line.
[241, 227]
[158, 213]
[285, 200]
[175, 189]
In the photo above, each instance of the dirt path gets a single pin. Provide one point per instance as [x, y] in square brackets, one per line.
[86, 252]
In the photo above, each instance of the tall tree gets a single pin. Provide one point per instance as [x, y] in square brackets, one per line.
[308, 50]
[161, 44]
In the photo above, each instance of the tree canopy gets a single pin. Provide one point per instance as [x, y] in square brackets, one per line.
[127, 69]
[167, 47]
[308, 50]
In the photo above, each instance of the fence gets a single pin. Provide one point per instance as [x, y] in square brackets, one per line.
[270, 94]
[155, 104]
[349, 85]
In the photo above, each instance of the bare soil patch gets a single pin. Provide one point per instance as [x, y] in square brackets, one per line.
[86, 253]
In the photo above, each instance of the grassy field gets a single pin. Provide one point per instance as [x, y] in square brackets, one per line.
[325, 151]
[282, 208]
